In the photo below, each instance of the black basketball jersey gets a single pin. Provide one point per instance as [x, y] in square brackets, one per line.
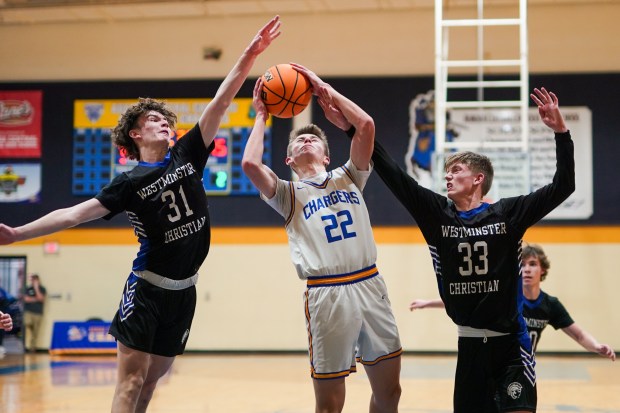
[542, 311]
[476, 253]
[167, 206]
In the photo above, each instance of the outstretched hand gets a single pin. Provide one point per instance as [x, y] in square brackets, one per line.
[7, 235]
[332, 112]
[606, 351]
[549, 109]
[265, 36]
[316, 82]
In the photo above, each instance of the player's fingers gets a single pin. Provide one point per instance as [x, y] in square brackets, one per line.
[554, 98]
[536, 100]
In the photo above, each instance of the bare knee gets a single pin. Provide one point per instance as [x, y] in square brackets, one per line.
[387, 400]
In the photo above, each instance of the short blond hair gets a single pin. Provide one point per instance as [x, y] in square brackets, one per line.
[477, 163]
[311, 129]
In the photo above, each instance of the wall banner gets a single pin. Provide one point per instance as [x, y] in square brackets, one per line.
[20, 124]
[20, 183]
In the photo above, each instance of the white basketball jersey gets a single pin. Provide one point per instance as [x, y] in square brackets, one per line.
[327, 222]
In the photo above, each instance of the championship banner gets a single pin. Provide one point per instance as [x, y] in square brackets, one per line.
[20, 124]
[20, 182]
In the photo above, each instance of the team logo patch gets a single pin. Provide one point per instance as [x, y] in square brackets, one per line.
[514, 390]
[185, 335]
[93, 111]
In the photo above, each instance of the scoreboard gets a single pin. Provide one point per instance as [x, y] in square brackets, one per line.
[96, 161]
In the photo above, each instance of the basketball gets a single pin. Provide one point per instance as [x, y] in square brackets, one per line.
[286, 92]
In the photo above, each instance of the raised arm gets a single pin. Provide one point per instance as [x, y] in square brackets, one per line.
[261, 176]
[214, 112]
[527, 210]
[333, 104]
[587, 341]
[54, 221]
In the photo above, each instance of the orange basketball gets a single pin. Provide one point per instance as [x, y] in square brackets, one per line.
[286, 92]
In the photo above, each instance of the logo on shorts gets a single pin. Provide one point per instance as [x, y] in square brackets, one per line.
[185, 335]
[514, 390]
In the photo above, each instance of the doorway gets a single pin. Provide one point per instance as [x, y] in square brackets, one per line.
[12, 281]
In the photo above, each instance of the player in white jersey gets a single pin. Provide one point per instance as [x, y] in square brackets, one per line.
[330, 200]
[348, 314]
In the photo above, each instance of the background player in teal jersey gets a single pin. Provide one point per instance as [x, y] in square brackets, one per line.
[540, 309]
[162, 195]
[348, 313]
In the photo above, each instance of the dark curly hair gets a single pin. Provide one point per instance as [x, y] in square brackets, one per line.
[129, 119]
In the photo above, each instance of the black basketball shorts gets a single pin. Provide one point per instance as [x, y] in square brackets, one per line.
[152, 319]
[494, 374]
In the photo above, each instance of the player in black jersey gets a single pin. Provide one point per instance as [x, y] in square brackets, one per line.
[166, 204]
[540, 309]
[475, 248]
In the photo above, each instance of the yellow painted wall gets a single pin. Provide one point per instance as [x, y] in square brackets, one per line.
[249, 297]
[567, 37]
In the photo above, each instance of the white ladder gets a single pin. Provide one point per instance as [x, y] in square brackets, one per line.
[443, 83]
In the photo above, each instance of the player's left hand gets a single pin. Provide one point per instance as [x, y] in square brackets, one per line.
[332, 112]
[316, 82]
[549, 109]
[606, 351]
[265, 36]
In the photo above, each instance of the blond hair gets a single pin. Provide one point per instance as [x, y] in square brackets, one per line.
[311, 129]
[477, 163]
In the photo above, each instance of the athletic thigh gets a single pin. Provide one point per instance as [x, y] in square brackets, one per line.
[333, 321]
[516, 379]
[154, 320]
[379, 339]
[493, 375]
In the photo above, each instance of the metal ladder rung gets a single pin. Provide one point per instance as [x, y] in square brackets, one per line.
[483, 144]
[483, 83]
[480, 22]
[453, 73]
[478, 63]
[484, 104]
